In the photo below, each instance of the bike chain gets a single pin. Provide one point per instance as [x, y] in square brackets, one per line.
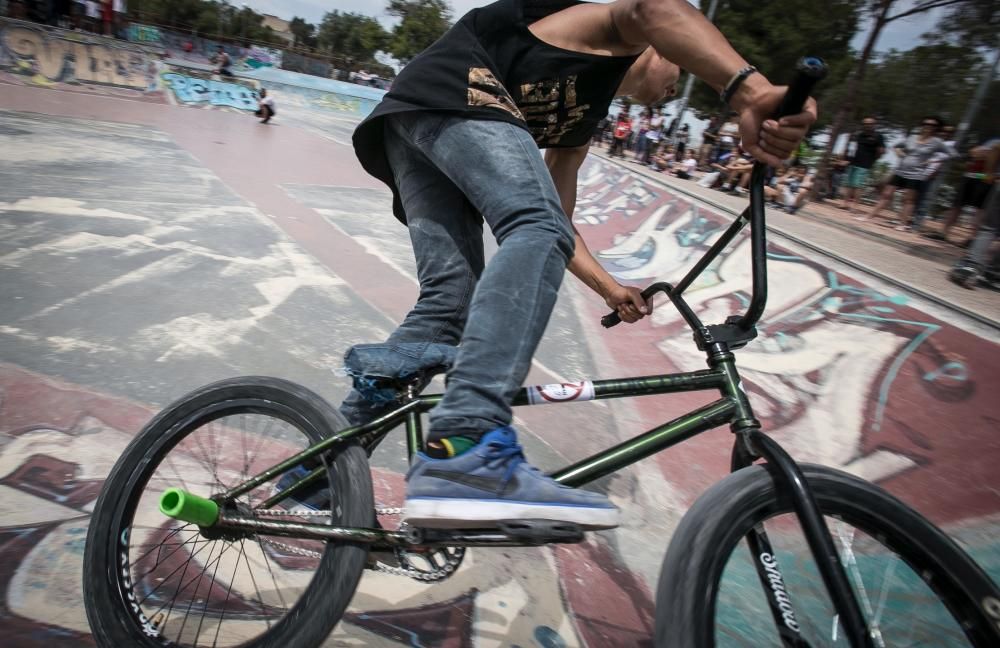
[451, 561]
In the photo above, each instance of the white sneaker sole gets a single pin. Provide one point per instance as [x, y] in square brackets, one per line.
[470, 514]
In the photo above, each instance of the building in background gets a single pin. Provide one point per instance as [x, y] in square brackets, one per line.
[280, 27]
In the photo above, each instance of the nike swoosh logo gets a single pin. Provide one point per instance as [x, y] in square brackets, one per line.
[489, 484]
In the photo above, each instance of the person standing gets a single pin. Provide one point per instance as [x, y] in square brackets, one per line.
[947, 134]
[979, 177]
[709, 141]
[869, 146]
[915, 153]
[623, 128]
[653, 135]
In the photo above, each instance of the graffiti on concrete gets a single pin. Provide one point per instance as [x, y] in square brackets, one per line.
[843, 373]
[50, 55]
[59, 441]
[138, 33]
[195, 90]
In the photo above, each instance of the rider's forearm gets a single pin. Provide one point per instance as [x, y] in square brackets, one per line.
[563, 166]
[680, 33]
[586, 268]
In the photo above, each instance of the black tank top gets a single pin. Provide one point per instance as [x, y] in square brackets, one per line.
[490, 66]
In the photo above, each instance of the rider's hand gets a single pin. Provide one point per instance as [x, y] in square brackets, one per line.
[766, 139]
[628, 303]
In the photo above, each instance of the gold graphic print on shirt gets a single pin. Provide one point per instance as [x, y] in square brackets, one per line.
[540, 104]
[486, 90]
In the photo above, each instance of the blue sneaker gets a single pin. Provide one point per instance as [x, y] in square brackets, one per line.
[492, 482]
[310, 498]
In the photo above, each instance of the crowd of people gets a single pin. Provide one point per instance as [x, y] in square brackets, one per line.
[99, 16]
[853, 183]
[718, 162]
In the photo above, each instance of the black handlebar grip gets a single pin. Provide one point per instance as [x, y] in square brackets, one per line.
[612, 319]
[808, 72]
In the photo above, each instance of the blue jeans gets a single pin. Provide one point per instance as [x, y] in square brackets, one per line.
[452, 174]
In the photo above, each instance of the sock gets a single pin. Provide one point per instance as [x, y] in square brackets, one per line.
[448, 447]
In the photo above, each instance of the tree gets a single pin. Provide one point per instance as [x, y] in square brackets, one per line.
[896, 86]
[303, 32]
[773, 35]
[422, 22]
[880, 11]
[352, 35]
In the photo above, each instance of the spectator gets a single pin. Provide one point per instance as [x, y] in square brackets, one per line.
[623, 128]
[736, 175]
[977, 267]
[709, 142]
[869, 146]
[641, 142]
[838, 167]
[682, 139]
[664, 160]
[686, 169]
[979, 176]
[107, 17]
[729, 133]
[794, 187]
[653, 134]
[911, 173]
[947, 134]
[265, 106]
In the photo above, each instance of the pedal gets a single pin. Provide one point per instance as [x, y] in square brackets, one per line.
[540, 532]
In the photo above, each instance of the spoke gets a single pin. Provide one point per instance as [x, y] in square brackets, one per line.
[208, 596]
[228, 593]
[194, 595]
[195, 539]
[211, 468]
[167, 578]
[160, 545]
[267, 562]
[847, 543]
[260, 598]
[170, 462]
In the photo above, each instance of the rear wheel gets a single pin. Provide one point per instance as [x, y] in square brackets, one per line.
[915, 586]
[150, 580]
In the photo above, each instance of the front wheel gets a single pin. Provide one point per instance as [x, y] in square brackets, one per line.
[915, 586]
[150, 580]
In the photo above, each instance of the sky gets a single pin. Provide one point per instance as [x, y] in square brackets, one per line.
[902, 34]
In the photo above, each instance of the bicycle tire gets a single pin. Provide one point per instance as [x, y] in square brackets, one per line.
[106, 581]
[709, 533]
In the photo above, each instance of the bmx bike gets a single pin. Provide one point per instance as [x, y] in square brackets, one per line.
[193, 541]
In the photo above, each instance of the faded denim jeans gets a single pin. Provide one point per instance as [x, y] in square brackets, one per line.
[452, 174]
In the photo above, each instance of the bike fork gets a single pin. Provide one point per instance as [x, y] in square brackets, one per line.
[751, 444]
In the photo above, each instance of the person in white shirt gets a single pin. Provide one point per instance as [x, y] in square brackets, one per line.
[265, 106]
[687, 167]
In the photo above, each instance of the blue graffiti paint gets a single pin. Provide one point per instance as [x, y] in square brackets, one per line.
[217, 93]
[956, 371]
[548, 638]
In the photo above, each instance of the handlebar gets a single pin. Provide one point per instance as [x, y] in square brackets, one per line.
[809, 71]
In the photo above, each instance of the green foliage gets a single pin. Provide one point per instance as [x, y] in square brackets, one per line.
[352, 35]
[206, 18]
[421, 23]
[774, 35]
[974, 23]
[902, 87]
[304, 32]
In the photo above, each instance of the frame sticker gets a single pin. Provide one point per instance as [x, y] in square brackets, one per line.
[561, 392]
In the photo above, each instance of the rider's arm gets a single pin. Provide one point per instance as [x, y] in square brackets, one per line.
[681, 34]
[564, 164]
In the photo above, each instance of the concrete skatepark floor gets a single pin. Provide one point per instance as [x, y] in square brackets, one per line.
[148, 249]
